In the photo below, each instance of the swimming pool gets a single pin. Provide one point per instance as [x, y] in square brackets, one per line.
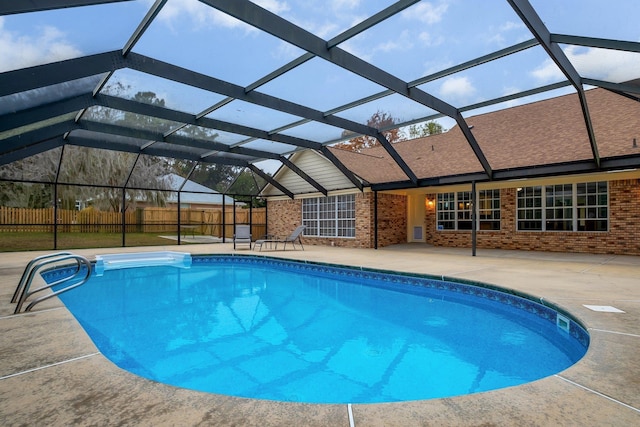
[272, 329]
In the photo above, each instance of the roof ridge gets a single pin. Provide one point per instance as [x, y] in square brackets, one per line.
[359, 152]
[528, 104]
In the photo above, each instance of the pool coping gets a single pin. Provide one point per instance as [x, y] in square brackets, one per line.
[72, 382]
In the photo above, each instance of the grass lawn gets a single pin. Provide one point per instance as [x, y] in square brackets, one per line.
[35, 241]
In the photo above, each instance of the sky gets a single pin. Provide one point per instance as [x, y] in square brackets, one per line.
[427, 37]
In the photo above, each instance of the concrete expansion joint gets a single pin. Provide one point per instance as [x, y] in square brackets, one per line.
[597, 393]
[29, 313]
[350, 411]
[608, 260]
[49, 366]
[613, 332]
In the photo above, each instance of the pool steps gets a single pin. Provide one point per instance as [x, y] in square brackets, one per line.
[141, 259]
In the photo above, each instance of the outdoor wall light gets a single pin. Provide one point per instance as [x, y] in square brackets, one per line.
[429, 203]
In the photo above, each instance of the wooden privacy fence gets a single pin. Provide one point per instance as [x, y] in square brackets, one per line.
[206, 221]
[85, 221]
[148, 220]
[18, 219]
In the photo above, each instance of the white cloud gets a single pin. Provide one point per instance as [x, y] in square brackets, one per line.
[499, 36]
[43, 45]
[171, 10]
[404, 41]
[434, 65]
[510, 90]
[324, 29]
[457, 87]
[426, 12]
[603, 64]
[367, 51]
[354, 49]
[274, 6]
[425, 38]
[344, 4]
[428, 40]
[610, 65]
[510, 25]
[547, 72]
[203, 16]
[286, 51]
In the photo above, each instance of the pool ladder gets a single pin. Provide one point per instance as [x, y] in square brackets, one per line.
[23, 290]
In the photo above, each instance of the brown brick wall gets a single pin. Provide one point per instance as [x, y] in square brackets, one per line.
[283, 216]
[392, 219]
[286, 215]
[623, 236]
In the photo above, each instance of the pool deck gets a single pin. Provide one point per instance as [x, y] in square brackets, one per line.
[52, 374]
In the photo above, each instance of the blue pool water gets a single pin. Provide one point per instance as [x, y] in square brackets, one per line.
[268, 329]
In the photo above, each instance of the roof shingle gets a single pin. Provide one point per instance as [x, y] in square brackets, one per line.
[551, 131]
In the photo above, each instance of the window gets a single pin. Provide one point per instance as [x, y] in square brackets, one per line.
[530, 208]
[455, 210]
[564, 207]
[489, 209]
[464, 210]
[446, 211]
[333, 216]
[559, 207]
[592, 206]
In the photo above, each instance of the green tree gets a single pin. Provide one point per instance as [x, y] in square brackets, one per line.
[379, 120]
[245, 186]
[215, 176]
[40, 167]
[83, 165]
[428, 128]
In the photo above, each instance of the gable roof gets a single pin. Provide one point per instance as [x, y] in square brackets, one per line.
[317, 167]
[543, 133]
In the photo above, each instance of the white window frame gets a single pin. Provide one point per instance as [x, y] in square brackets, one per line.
[446, 211]
[331, 216]
[578, 211]
[489, 209]
[455, 207]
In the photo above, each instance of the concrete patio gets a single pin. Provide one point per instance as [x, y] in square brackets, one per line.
[52, 374]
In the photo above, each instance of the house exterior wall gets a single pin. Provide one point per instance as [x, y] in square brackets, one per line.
[283, 216]
[623, 236]
[392, 219]
[286, 215]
